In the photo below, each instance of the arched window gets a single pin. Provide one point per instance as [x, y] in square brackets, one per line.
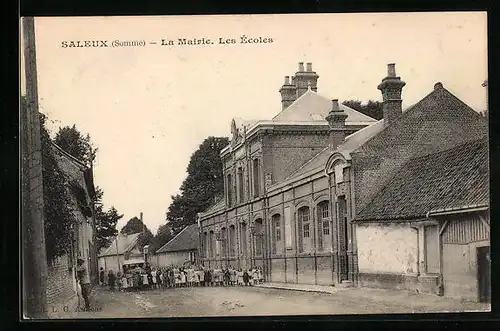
[324, 239]
[304, 228]
[276, 235]
[232, 240]
[205, 244]
[223, 237]
[243, 239]
[212, 244]
[259, 237]
[229, 190]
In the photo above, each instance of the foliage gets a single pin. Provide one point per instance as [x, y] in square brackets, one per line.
[105, 225]
[203, 183]
[58, 217]
[76, 144]
[134, 225]
[82, 148]
[163, 236]
[372, 108]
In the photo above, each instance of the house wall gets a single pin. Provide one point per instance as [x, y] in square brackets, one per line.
[461, 238]
[173, 258]
[61, 285]
[388, 255]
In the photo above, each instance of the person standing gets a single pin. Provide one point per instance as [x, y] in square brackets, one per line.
[101, 277]
[111, 280]
[84, 280]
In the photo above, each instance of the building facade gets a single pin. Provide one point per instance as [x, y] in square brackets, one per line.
[183, 248]
[123, 250]
[62, 290]
[293, 185]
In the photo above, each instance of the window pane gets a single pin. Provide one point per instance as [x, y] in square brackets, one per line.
[326, 227]
[306, 230]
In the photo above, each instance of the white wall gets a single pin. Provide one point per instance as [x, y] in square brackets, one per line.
[172, 258]
[388, 248]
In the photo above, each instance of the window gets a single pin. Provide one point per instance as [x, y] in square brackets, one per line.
[243, 239]
[212, 244]
[256, 178]
[224, 241]
[326, 228]
[324, 217]
[241, 187]
[306, 230]
[229, 190]
[303, 226]
[259, 237]
[232, 240]
[276, 223]
[339, 174]
[205, 244]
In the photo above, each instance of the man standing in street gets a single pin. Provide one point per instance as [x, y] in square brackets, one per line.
[101, 277]
[84, 280]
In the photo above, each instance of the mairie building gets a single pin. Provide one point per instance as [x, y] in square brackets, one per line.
[295, 183]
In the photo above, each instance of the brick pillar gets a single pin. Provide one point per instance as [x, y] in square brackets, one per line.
[34, 260]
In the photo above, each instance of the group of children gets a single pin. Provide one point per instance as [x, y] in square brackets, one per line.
[147, 277]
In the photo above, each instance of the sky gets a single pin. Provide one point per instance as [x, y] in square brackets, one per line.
[148, 108]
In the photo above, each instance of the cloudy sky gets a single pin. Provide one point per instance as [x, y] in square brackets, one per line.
[148, 108]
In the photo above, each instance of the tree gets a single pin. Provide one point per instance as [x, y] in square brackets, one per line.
[372, 108]
[203, 183]
[76, 144]
[105, 225]
[134, 225]
[58, 217]
[82, 148]
[164, 234]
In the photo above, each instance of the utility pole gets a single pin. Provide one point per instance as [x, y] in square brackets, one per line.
[34, 258]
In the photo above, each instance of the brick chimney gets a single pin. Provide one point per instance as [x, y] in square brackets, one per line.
[305, 78]
[288, 93]
[336, 120]
[391, 88]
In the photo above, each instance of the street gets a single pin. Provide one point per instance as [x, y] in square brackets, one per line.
[255, 301]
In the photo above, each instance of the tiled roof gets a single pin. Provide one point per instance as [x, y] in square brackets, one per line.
[125, 244]
[313, 107]
[351, 142]
[219, 205]
[453, 178]
[185, 240]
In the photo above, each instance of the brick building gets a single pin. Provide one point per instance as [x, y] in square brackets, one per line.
[429, 230]
[293, 184]
[61, 278]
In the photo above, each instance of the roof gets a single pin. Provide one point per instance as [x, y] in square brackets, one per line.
[185, 240]
[125, 244]
[449, 179]
[311, 106]
[219, 205]
[351, 142]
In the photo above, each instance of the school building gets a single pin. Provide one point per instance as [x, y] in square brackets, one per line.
[295, 184]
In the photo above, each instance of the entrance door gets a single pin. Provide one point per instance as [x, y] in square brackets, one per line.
[484, 273]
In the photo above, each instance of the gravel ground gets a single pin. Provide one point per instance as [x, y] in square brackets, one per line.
[251, 301]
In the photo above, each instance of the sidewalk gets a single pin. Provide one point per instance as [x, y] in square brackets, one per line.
[417, 302]
[302, 287]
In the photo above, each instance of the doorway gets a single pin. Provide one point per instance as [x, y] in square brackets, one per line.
[484, 273]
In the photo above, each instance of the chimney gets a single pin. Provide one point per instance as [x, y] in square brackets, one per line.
[336, 120]
[288, 93]
[303, 79]
[391, 88]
